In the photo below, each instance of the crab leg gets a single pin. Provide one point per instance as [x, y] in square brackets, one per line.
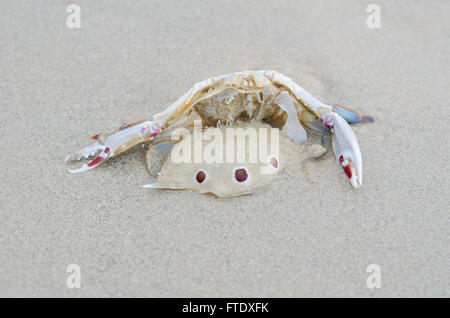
[111, 145]
[352, 116]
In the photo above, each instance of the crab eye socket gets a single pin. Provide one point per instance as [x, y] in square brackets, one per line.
[240, 175]
[200, 176]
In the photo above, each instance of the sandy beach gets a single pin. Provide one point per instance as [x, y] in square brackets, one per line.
[309, 234]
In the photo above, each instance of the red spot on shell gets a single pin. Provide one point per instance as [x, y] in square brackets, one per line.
[274, 162]
[107, 150]
[348, 171]
[200, 177]
[241, 175]
[341, 158]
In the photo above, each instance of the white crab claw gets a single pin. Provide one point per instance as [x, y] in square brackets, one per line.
[87, 158]
[345, 147]
[111, 145]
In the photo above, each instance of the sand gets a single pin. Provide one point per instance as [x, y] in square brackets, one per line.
[308, 234]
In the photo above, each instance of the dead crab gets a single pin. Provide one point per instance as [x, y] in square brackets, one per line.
[245, 105]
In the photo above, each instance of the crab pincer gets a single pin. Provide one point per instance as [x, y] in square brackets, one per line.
[87, 158]
[110, 145]
[345, 147]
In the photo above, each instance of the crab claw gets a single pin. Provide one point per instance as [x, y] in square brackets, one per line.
[345, 147]
[110, 145]
[89, 157]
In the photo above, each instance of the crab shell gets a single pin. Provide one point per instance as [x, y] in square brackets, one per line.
[271, 97]
[224, 178]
